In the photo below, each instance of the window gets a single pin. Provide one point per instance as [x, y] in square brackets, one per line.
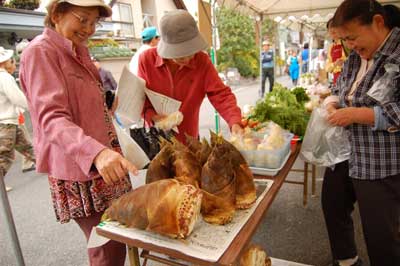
[123, 20]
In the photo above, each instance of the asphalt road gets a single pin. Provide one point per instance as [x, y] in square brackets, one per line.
[289, 231]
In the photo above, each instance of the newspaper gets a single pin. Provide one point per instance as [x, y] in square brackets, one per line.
[163, 104]
[132, 92]
[131, 97]
[207, 241]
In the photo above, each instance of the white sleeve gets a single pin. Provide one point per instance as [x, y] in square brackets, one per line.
[13, 93]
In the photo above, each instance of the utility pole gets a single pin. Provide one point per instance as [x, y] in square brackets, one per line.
[214, 53]
[5, 210]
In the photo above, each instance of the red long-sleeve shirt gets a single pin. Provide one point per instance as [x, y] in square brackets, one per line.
[190, 85]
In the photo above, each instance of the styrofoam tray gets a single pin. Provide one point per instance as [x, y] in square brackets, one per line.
[269, 171]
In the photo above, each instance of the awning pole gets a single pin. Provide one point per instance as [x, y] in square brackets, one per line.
[9, 222]
[214, 53]
[260, 39]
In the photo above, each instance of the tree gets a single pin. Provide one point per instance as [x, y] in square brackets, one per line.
[238, 46]
[24, 4]
[269, 30]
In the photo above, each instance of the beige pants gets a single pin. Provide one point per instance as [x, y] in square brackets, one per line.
[12, 137]
[26, 162]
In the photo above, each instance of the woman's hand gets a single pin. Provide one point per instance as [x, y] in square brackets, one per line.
[331, 108]
[158, 117]
[237, 129]
[341, 117]
[112, 166]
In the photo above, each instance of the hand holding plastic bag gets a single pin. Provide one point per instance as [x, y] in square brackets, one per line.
[381, 90]
[170, 122]
[324, 144]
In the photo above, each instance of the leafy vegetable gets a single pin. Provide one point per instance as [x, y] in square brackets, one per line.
[282, 107]
[300, 94]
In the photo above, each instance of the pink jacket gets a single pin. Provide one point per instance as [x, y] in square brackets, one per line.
[65, 104]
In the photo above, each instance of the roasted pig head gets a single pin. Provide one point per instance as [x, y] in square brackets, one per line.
[161, 165]
[167, 207]
[187, 169]
[216, 210]
[254, 255]
[201, 150]
[237, 157]
[217, 173]
[218, 180]
[245, 187]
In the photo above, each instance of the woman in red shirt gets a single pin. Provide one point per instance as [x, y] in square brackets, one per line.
[336, 54]
[178, 68]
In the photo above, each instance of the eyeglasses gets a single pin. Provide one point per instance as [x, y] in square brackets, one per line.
[85, 21]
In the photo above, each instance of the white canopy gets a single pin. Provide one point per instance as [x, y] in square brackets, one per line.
[288, 7]
[308, 12]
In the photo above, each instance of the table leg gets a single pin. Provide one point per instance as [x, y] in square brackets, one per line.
[305, 187]
[133, 256]
[313, 176]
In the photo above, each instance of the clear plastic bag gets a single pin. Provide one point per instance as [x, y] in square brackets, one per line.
[381, 90]
[324, 144]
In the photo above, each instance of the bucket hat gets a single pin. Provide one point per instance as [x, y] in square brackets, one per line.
[180, 36]
[5, 54]
[149, 33]
[105, 10]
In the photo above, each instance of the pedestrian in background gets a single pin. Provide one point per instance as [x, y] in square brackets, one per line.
[294, 68]
[305, 56]
[12, 101]
[336, 53]
[26, 165]
[109, 83]
[267, 63]
[150, 38]
[74, 137]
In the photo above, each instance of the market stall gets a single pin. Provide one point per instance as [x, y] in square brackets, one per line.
[242, 230]
[301, 16]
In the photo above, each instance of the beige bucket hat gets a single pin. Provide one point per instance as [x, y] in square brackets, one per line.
[105, 10]
[5, 54]
[180, 36]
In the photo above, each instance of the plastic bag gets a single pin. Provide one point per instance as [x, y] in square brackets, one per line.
[324, 144]
[148, 139]
[381, 90]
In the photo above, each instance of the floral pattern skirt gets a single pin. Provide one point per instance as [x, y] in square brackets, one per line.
[75, 199]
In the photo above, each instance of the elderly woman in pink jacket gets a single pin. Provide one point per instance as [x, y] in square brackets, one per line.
[74, 138]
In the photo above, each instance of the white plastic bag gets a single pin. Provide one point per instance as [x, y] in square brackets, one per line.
[324, 144]
[381, 90]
